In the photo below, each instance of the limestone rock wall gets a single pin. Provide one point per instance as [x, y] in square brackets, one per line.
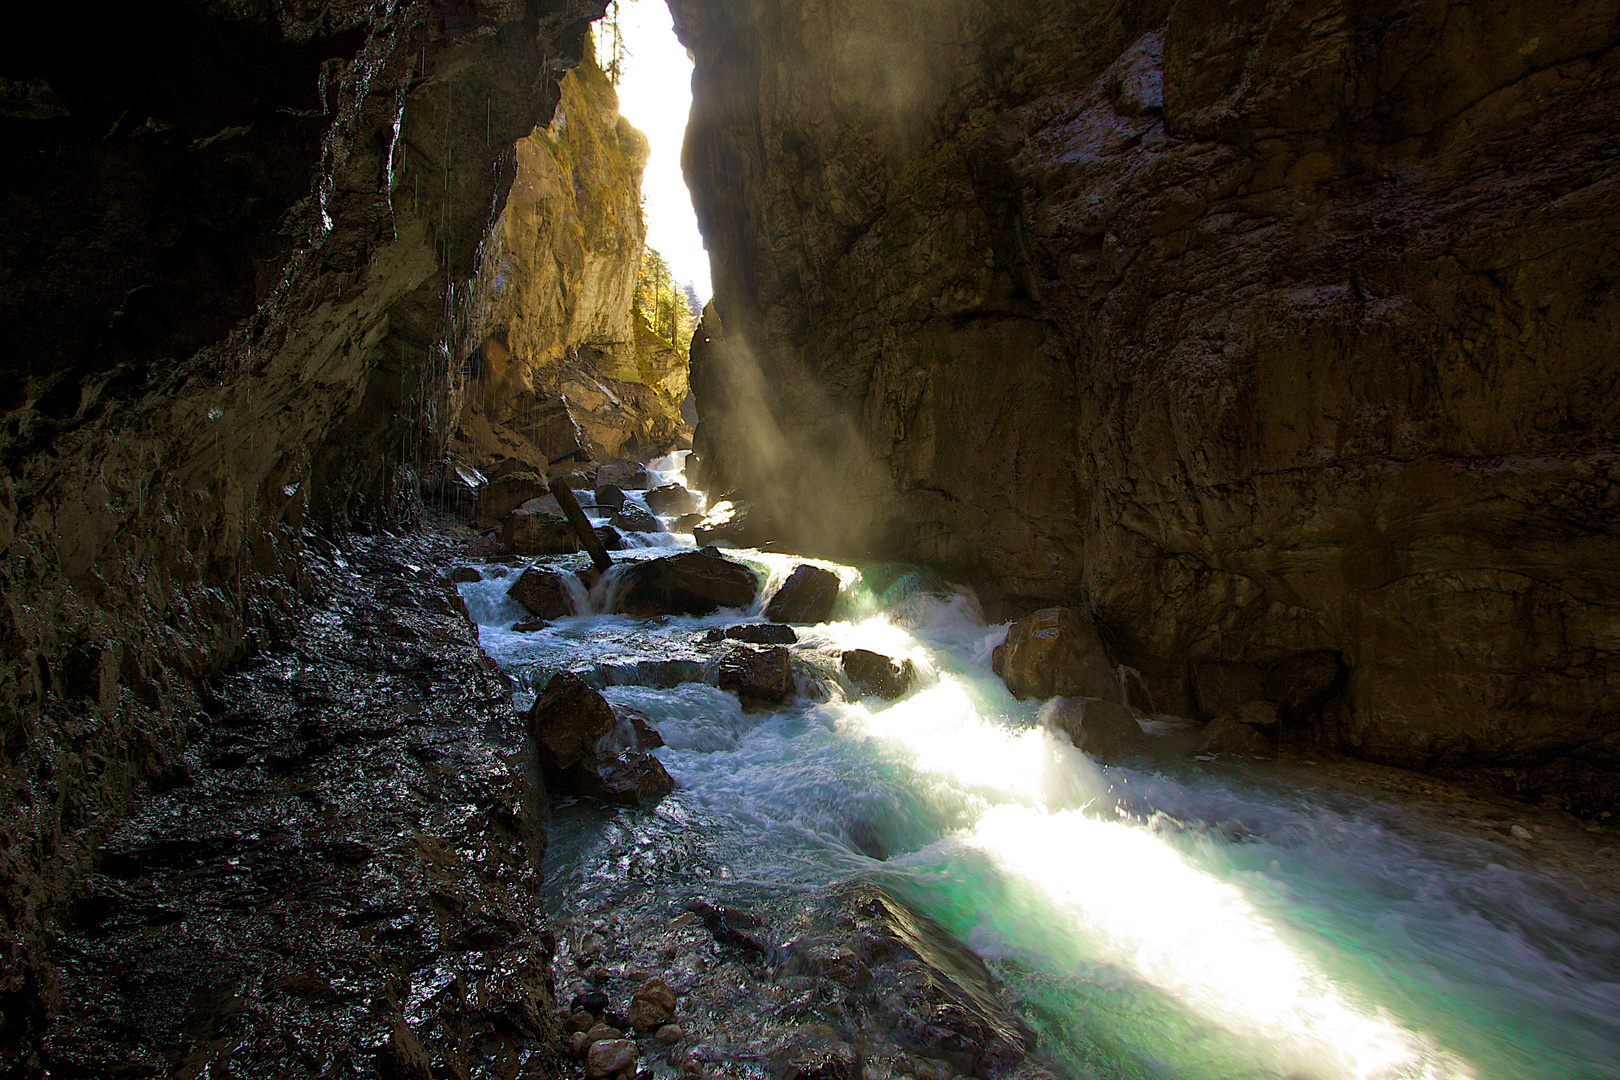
[559, 371]
[236, 242]
[1253, 328]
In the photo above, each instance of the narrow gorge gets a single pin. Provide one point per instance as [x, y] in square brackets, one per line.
[1120, 581]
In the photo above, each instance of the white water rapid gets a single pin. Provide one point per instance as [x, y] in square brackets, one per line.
[1176, 918]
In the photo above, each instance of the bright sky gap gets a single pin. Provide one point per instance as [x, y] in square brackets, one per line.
[655, 94]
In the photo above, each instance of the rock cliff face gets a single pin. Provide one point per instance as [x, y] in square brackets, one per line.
[1253, 328]
[236, 239]
[559, 369]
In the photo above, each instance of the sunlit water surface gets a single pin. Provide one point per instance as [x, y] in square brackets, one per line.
[1180, 919]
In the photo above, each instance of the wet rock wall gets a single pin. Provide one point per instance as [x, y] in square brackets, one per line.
[1252, 329]
[236, 241]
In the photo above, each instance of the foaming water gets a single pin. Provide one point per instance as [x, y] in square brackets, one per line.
[1175, 920]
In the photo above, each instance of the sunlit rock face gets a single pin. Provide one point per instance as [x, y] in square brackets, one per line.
[1252, 328]
[233, 237]
[561, 368]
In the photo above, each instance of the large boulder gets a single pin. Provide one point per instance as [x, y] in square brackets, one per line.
[629, 475]
[1055, 653]
[632, 518]
[691, 583]
[735, 522]
[1228, 735]
[581, 748]
[544, 592]
[756, 634]
[672, 499]
[807, 596]
[501, 496]
[538, 530]
[877, 674]
[1103, 729]
[610, 496]
[758, 676]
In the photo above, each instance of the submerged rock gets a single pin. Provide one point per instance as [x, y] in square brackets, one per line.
[1100, 728]
[1228, 735]
[807, 596]
[758, 676]
[877, 674]
[1055, 653]
[543, 592]
[653, 1006]
[538, 531]
[672, 499]
[610, 1057]
[574, 734]
[632, 518]
[691, 583]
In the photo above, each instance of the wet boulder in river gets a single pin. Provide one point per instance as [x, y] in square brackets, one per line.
[877, 674]
[611, 540]
[732, 521]
[538, 530]
[1055, 653]
[758, 676]
[573, 732]
[464, 574]
[1103, 729]
[691, 583]
[672, 499]
[610, 496]
[543, 592]
[760, 634]
[632, 518]
[807, 596]
[1226, 734]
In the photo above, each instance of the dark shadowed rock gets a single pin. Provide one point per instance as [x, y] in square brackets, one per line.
[760, 634]
[463, 574]
[691, 583]
[529, 626]
[877, 674]
[1220, 687]
[1303, 682]
[610, 496]
[758, 676]
[543, 592]
[1055, 653]
[807, 596]
[672, 499]
[611, 540]
[1102, 729]
[1228, 735]
[628, 778]
[632, 518]
[1258, 713]
[686, 523]
[538, 531]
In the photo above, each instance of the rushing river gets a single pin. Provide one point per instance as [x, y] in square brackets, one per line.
[1180, 918]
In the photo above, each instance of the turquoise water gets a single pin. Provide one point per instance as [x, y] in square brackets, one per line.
[1173, 919]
